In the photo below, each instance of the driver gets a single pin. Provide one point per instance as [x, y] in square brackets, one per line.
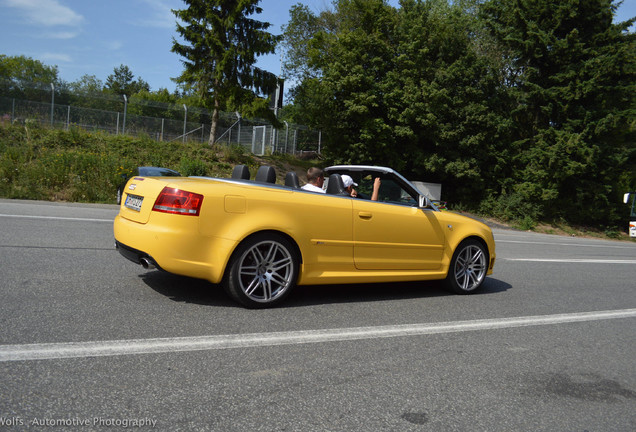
[349, 184]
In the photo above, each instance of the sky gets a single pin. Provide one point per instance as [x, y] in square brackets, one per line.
[92, 37]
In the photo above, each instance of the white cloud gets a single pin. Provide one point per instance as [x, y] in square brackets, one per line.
[54, 57]
[61, 35]
[114, 45]
[159, 14]
[46, 12]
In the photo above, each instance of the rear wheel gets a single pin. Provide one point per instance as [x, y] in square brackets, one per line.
[468, 267]
[262, 271]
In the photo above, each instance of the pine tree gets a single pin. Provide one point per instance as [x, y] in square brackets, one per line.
[573, 106]
[221, 45]
[121, 82]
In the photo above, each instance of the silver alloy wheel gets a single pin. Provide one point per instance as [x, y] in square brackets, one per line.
[265, 271]
[470, 267]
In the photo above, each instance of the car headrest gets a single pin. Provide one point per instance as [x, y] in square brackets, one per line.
[266, 174]
[291, 180]
[336, 186]
[241, 172]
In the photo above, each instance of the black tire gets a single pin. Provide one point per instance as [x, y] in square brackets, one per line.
[468, 267]
[262, 271]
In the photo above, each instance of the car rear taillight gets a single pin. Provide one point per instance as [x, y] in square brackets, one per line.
[178, 201]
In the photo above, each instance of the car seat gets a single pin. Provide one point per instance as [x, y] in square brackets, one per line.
[291, 180]
[241, 172]
[336, 186]
[266, 174]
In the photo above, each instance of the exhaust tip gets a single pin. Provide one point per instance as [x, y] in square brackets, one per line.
[146, 264]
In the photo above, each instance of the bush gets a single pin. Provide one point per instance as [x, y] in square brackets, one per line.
[511, 207]
[236, 154]
[613, 232]
[526, 224]
[193, 167]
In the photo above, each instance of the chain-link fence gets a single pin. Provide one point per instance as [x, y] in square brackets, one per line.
[255, 135]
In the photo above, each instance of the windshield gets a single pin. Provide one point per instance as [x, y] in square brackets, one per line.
[157, 172]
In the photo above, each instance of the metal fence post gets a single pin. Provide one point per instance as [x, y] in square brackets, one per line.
[123, 128]
[162, 121]
[68, 118]
[185, 122]
[286, 134]
[52, 102]
[238, 119]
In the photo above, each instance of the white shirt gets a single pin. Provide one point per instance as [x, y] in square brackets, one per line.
[312, 188]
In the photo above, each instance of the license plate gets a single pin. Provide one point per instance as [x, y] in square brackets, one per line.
[133, 202]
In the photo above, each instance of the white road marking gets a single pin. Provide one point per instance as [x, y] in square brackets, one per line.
[56, 218]
[216, 342]
[567, 244]
[573, 260]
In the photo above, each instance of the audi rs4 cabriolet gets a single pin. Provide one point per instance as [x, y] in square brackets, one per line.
[260, 240]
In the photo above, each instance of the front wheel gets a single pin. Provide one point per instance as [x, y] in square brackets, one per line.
[262, 271]
[468, 267]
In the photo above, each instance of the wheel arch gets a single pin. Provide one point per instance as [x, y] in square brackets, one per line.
[480, 240]
[454, 244]
[248, 237]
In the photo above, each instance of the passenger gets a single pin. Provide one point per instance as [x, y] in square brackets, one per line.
[315, 179]
[349, 184]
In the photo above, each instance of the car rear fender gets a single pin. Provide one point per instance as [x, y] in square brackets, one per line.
[319, 226]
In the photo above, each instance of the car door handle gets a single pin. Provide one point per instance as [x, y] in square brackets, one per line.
[365, 215]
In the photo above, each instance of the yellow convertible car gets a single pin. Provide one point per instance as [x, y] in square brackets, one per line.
[259, 239]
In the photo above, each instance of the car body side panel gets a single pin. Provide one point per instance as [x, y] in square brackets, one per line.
[396, 237]
[320, 225]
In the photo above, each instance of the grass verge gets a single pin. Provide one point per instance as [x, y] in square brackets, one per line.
[75, 165]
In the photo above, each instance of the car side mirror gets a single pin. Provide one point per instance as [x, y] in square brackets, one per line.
[424, 202]
[626, 198]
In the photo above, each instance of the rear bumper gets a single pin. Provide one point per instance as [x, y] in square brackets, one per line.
[135, 255]
[173, 244]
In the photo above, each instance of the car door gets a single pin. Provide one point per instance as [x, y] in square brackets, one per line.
[394, 234]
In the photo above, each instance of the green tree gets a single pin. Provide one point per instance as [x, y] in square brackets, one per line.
[160, 104]
[573, 105]
[221, 45]
[306, 38]
[300, 44]
[408, 87]
[88, 92]
[87, 84]
[355, 75]
[445, 100]
[122, 82]
[23, 77]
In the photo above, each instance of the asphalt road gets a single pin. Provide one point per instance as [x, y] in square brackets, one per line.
[90, 341]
